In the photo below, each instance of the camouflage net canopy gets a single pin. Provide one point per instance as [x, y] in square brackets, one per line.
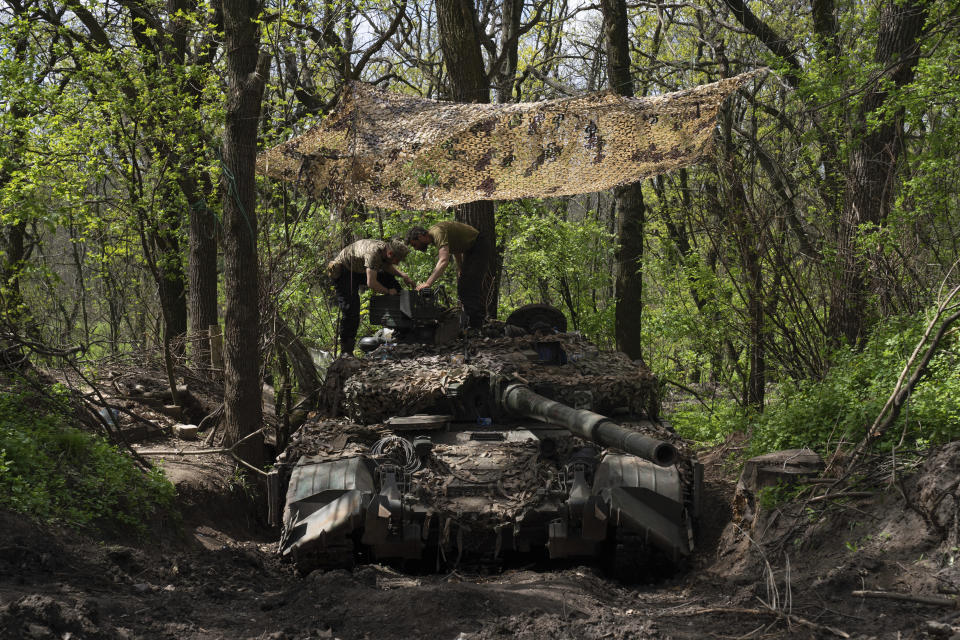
[397, 151]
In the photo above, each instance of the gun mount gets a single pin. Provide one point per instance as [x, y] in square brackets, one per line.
[485, 448]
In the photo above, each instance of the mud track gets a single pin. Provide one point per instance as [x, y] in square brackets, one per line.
[215, 575]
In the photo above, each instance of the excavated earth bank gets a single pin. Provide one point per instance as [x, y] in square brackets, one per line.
[791, 572]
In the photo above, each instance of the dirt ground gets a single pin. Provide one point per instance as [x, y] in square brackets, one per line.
[791, 573]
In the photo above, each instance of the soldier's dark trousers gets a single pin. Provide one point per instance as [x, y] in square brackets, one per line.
[470, 283]
[347, 288]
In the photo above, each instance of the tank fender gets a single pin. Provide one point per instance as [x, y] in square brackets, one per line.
[384, 506]
[588, 511]
[647, 499]
[325, 502]
[624, 470]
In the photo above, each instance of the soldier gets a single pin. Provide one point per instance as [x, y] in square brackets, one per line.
[365, 262]
[468, 248]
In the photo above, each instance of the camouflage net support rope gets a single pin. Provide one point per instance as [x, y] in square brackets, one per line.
[398, 151]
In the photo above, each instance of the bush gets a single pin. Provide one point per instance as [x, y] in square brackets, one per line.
[710, 426]
[58, 473]
[842, 405]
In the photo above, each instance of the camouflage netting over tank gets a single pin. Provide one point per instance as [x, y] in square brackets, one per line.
[397, 151]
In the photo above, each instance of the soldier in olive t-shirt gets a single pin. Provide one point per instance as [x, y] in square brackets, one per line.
[468, 249]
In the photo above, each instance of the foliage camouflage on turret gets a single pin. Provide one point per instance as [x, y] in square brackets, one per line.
[405, 379]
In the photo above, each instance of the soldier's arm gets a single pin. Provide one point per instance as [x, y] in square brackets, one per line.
[374, 284]
[395, 271]
[443, 259]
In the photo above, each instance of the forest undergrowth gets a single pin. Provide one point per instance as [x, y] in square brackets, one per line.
[837, 409]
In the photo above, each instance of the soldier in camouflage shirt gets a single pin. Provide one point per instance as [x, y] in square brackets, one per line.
[470, 251]
[365, 262]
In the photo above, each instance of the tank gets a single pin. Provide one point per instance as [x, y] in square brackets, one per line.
[522, 440]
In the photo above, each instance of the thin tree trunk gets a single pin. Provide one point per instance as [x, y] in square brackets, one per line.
[247, 72]
[747, 238]
[171, 290]
[629, 199]
[202, 270]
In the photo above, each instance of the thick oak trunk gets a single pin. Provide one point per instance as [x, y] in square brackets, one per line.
[460, 42]
[872, 169]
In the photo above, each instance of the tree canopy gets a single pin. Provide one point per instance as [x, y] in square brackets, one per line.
[131, 220]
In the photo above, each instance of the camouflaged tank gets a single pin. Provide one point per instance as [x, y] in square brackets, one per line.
[450, 448]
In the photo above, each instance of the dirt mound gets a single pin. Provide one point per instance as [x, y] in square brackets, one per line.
[43, 617]
[792, 574]
[877, 556]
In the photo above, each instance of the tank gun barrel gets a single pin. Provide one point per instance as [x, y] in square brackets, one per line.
[520, 399]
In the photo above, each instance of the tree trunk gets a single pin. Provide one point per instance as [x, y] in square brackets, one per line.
[510, 15]
[247, 73]
[171, 291]
[460, 42]
[629, 269]
[13, 246]
[202, 270]
[195, 183]
[480, 215]
[629, 199]
[872, 169]
[12, 257]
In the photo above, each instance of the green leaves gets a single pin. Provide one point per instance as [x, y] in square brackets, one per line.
[55, 472]
[551, 257]
[839, 408]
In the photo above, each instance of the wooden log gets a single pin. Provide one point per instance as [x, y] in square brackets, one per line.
[940, 601]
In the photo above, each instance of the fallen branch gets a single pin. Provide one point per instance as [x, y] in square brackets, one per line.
[204, 452]
[901, 391]
[42, 349]
[789, 617]
[696, 395]
[116, 435]
[842, 494]
[939, 601]
[214, 419]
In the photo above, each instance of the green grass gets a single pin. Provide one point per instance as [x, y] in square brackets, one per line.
[55, 472]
